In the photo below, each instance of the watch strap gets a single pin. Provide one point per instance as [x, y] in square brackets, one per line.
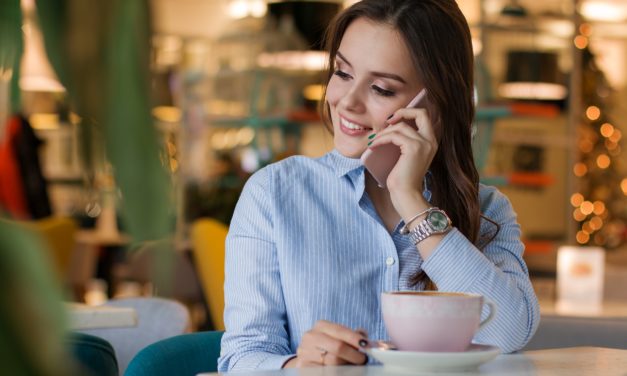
[424, 229]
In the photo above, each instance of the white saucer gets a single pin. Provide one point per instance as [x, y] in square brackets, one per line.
[410, 361]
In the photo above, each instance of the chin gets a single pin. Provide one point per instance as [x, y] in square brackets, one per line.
[350, 152]
[348, 146]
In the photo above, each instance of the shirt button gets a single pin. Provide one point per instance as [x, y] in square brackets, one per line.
[389, 261]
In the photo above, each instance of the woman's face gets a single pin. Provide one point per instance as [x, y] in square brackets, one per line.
[374, 76]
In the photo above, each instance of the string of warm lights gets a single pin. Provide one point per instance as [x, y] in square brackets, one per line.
[600, 207]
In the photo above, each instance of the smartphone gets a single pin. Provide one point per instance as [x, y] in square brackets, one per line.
[381, 160]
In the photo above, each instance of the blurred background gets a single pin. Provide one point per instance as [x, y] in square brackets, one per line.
[235, 85]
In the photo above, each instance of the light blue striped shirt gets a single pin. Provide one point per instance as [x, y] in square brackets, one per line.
[306, 244]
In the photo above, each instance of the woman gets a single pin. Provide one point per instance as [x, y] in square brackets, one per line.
[314, 242]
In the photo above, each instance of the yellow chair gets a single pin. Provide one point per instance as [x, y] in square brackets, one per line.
[58, 234]
[208, 237]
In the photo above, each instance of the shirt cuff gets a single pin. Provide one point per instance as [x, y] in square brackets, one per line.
[456, 255]
[274, 362]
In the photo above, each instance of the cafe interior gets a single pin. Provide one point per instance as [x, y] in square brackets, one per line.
[129, 128]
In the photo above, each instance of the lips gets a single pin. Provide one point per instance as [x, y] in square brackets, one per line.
[353, 129]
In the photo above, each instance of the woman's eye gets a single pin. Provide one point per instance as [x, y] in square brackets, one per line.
[343, 75]
[381, 91]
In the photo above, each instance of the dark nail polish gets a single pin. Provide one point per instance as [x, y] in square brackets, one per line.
[363, 343]
[372, 136]
[369, 143]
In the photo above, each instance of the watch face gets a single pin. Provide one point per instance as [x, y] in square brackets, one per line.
[438, 220]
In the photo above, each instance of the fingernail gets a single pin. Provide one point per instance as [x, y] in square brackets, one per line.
[363, 343]
[372, 136]
[369, 143]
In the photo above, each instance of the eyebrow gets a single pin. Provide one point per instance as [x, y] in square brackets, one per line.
[374, 73]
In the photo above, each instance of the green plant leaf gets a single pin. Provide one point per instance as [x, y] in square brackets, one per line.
[131, 137]
[32, 317]
[11, 45]
[101, 53]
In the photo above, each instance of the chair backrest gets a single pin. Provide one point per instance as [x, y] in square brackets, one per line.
[208, 237]
[94, 355]
[58, 233]
[187, 354]
[157, 319]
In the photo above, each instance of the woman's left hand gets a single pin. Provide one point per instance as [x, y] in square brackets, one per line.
[418, 147]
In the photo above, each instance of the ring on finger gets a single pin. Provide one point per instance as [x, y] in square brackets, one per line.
[323, 353]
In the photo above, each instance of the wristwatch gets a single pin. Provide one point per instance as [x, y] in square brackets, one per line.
[436, 222]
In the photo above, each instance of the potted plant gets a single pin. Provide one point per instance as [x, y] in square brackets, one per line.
[100, 52]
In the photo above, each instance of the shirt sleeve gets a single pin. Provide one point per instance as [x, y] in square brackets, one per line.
[499, 274]
[256, 334]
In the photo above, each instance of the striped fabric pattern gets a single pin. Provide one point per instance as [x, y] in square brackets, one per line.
[306, 244]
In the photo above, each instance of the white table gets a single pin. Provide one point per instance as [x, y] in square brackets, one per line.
[83, 316]
[578, 361]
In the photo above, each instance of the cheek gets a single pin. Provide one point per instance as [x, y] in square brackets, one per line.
[381, 112]
[335, 91]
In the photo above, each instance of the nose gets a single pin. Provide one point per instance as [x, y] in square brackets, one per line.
[352, 100]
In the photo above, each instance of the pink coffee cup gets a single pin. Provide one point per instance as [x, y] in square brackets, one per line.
[433, 321]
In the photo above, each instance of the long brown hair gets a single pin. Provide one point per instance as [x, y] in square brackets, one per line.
[438, 38]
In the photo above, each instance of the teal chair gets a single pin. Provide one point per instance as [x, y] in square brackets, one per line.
[182, 355]
[94, 355]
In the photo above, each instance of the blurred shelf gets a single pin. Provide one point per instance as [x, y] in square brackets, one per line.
[64, 179]
[539, 246]
[496, 110]
[523, 179]
[295, 117]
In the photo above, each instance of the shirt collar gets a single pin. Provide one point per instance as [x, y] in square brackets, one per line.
[344, 165]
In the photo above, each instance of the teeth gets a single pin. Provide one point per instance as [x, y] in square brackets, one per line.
[350, 125]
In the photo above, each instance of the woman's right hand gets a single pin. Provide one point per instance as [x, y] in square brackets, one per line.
[330, 344]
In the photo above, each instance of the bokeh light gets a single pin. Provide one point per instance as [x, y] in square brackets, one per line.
[585, 29]
[606, 129]
[582, 237]
[593, 113]
[578, 215]
[576, 199]
[586, 207]
[596, 223]
[598, 207]
[603, 161]
[581, 42]
[580, 169]
[616, 135]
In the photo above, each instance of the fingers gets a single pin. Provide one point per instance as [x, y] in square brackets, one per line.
[418, 148]
[401, 133]
[418, 116]
[330, 344]
[349, 336]
[406, 138]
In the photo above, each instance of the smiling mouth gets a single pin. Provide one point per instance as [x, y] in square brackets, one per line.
[353, 126]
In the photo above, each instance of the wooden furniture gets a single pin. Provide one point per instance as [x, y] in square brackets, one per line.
[94, 247]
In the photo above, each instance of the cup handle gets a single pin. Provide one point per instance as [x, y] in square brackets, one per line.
[492, 306]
